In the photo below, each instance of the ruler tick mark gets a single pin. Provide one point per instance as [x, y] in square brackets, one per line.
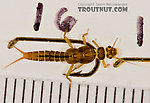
[32, 95]
[133, 92]
[23, 90]
[5, 91]
[105, 97]
[41, 91]
[14, 92]
[78, 94]
[69, 94]
[51, 91]
[142, 95]
[115, 89]
[96, 94]
[124, 93]
[87, 94]
[60, 89]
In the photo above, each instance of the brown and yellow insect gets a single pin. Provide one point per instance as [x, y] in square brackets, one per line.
[83, 55]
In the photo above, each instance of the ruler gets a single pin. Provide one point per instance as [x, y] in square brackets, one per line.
[18, 90]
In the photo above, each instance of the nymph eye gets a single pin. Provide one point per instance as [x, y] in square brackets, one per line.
[109, 46]
[110, 57]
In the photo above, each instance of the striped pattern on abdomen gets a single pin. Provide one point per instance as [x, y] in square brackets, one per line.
[46, 56]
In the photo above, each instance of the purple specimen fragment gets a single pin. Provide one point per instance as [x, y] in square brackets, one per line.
[67, 23]
[140, 31]
[38, 16]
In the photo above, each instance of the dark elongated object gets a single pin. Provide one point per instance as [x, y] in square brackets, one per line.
[38, 17]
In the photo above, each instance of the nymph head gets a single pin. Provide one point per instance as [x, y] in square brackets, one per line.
[111, 51]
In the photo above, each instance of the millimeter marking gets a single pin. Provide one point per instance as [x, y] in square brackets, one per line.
[98, 96]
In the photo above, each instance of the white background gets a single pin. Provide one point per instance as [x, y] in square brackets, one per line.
[17, 19]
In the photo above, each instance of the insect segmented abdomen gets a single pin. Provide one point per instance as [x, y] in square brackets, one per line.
[45, 56]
